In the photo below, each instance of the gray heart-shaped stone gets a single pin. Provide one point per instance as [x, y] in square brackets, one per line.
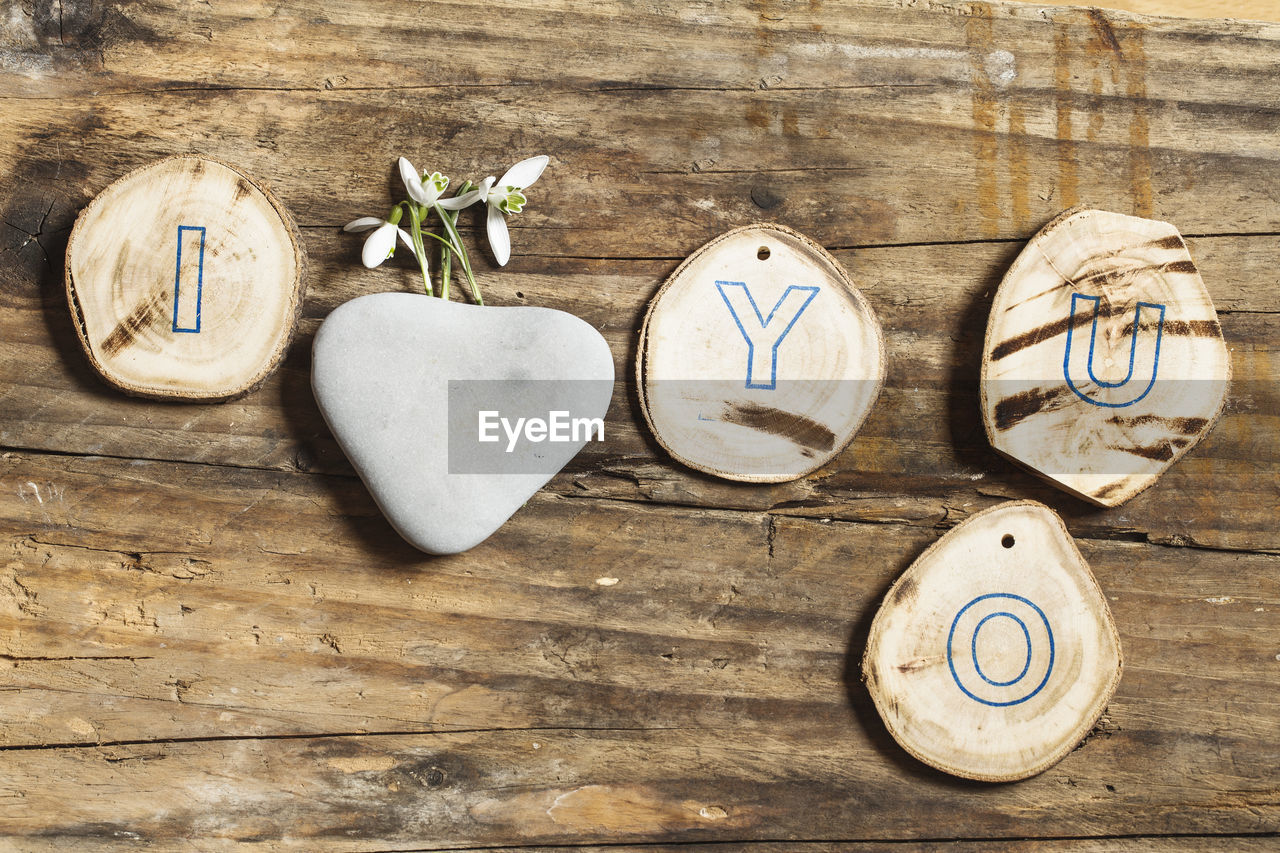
[400, 378]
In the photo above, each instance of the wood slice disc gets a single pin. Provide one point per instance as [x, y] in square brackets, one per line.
[995, 652]
[184, 279]
[759, 359]
[1104, 361]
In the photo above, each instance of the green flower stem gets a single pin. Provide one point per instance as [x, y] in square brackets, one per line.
[442, 241]
[447, 246]
[446, 254]
[461, 252]
[446, 270]
[420, 249]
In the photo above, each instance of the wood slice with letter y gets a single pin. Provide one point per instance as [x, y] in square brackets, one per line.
[759, 358]
[1104, 361]
[184, 279]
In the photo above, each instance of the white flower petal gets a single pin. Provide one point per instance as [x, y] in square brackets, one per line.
[459, 202]
[485, 186]
[407, 239]
[378, 245]
[408, 173]
[364, 223]
[418, 191]
[499, 237]
[525, 172]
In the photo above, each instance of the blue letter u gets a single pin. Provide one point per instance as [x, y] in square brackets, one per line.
[1078, 362]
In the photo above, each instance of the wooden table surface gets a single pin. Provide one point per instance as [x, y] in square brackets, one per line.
[1254, 10]
[210, 638]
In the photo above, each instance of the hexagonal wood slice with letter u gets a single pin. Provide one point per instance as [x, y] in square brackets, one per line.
[1104, 361]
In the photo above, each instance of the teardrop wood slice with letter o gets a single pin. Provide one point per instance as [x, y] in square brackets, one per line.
[184, 279]
[759, 359]
[995, 652]
[1104, 361]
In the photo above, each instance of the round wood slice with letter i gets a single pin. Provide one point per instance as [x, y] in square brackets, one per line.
[759, 359]
[995, 652]
[1104, 361]
[184, 279]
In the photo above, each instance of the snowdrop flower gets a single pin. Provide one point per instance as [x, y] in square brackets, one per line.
[426, 189]
[381, 244]
[504, 196]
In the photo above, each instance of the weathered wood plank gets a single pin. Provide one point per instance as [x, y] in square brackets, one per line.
[701, 162]
[921, 456]
[721, 668]
[1156, 844]
[1075, 845]
[113, 47]
[711, 694]
[454, 790]
[1261, 10]
[1073, 110]
[997, 118]
[1145, 844]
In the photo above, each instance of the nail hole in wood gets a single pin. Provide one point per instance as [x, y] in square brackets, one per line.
[763, 253]
[1007, 541]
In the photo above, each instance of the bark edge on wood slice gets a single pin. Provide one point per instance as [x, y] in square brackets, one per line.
[765, 303]
[995, 652]
[1104, 362]
[185, 280]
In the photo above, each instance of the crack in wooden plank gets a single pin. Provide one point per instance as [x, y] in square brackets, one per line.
[36, 747]
[1119, 534]
[833, 247]
[73, 657]
[788, 843]
[435, 87]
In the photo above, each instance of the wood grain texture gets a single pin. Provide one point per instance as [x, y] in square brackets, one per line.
[1104, 361]
[1256, 10]
[258, 606]
[204, 316]
[215, 640]
[995, 653]
[922, 454]
[1147, 844]
[735, 379]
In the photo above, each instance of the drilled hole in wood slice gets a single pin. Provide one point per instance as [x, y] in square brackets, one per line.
[1007, 541]
[989, 664]
[759, 372]
[763, 253]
